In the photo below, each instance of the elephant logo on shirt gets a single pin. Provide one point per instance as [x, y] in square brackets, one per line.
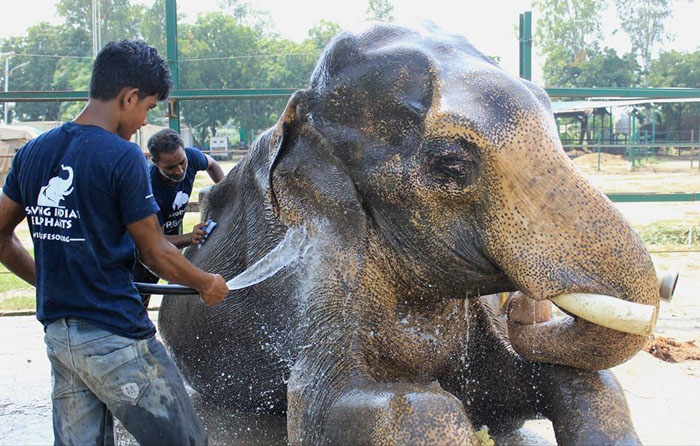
[57, 189]
[181, 200]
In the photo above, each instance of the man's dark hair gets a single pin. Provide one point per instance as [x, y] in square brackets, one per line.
[165, 141]
[129, 63]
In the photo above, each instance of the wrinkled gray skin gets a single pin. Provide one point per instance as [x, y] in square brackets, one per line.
[425, 177]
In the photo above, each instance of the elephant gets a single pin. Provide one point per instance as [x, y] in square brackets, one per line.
[57, 189]
[181, 200]
[413, 177]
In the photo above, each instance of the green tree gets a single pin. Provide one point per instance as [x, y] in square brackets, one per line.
[643, 21]
[678, 69]
[42, 49]
[323, 32]
[380, 11]
[153, 29]
[118, 19]
[216, 52]
[72, 74]
[246, 14]
[567, 32]
[600, 69]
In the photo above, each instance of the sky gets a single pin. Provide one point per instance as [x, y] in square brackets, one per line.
[490, 25]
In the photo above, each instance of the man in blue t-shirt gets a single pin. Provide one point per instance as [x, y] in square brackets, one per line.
[85, 191]
[172, 178]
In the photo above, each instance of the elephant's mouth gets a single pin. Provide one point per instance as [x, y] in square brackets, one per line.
[606, 311]
[597, 332]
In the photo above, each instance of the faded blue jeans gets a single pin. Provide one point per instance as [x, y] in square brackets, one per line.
[96, 373]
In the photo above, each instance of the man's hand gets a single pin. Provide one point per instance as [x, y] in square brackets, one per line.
[166, 261]
[216, 292]
[198, 234]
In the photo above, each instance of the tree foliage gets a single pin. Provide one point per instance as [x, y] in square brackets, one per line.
[322, 33]
[219, 51]
[40, 73]
[380, 11]
[567, 32]
[118, 19]
[236, 48]
[643, 21]
[600, 68]
[678, 69]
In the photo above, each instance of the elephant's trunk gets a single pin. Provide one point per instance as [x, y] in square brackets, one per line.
[555, 234]
[68, 169]
[566, 341]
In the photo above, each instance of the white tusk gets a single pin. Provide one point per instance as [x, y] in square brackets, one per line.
[610, 312]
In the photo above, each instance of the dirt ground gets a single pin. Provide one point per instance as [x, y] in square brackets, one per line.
[663, 396]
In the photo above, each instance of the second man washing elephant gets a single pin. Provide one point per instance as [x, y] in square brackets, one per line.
[172, 178]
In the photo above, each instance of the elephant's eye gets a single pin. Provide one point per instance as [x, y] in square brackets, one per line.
[452, 162]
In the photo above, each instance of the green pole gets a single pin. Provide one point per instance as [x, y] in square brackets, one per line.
[526, 45]
[559, 127]
[171, 35]
[598, 152]
[631, 140]
[646, 144]
[633, 136]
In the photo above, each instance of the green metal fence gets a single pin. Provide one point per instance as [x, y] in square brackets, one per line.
[525, 41]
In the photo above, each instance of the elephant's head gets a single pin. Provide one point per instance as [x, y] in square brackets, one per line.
[457, 166]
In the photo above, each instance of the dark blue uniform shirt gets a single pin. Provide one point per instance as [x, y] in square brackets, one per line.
[172, 199]
[80, 187]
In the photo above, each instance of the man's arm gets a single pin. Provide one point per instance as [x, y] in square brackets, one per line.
[216, 173]
[167, 261]
[12, 253]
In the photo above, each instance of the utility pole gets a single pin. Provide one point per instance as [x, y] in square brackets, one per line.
[8, 73]
[96, 29]
[7, 57]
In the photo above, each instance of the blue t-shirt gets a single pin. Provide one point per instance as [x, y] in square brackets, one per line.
[81, 186]
[172, 199]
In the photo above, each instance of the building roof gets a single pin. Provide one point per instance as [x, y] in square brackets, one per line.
[23, 132]
[561, 107]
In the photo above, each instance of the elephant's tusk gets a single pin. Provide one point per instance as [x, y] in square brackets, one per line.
[610, 312]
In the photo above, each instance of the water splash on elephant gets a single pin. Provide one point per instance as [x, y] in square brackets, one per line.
[292, 248]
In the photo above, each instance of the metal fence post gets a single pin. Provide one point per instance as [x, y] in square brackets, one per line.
[526, 45]
[171, 35]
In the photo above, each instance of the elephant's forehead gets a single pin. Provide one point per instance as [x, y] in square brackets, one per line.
[480, 102]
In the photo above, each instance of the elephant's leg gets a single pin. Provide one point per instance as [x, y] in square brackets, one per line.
[585, 407]
[487, 376]
[388, 414]
[501, 390]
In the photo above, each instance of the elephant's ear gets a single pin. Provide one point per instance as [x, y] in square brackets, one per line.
[309, 186]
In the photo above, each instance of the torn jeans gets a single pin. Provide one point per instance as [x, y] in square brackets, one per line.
[96, 373]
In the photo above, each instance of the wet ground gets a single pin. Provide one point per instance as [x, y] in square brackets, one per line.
[662, 397]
